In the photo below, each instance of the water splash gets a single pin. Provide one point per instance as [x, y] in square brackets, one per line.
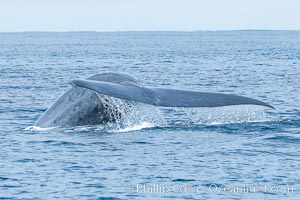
[130, 115]
[216, 115]
[135, 116]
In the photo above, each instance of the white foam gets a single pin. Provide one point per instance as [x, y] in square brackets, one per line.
[136, 127]
[37, 128]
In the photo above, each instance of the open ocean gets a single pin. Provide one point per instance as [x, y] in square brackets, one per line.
[236, 152]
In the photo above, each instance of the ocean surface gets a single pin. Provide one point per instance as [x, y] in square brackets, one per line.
[236, 152]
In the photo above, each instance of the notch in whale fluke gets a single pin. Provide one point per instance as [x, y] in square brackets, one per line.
[166, 97]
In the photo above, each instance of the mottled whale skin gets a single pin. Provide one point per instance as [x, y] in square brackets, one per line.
[81, 105]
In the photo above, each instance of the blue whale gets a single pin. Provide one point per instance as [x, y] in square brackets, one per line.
[82, 105]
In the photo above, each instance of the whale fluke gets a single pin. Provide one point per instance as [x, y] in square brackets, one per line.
[82, 105]
[165, 97]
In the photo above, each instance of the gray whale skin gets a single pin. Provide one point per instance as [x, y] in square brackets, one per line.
[81, 105]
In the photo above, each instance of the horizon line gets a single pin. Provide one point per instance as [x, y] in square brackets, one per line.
[117, 31]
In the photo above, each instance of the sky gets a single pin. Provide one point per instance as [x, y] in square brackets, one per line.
[148, 15]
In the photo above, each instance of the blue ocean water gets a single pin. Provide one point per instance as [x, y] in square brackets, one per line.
[233, 152]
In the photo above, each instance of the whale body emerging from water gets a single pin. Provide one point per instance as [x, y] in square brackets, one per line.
[83, 105]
